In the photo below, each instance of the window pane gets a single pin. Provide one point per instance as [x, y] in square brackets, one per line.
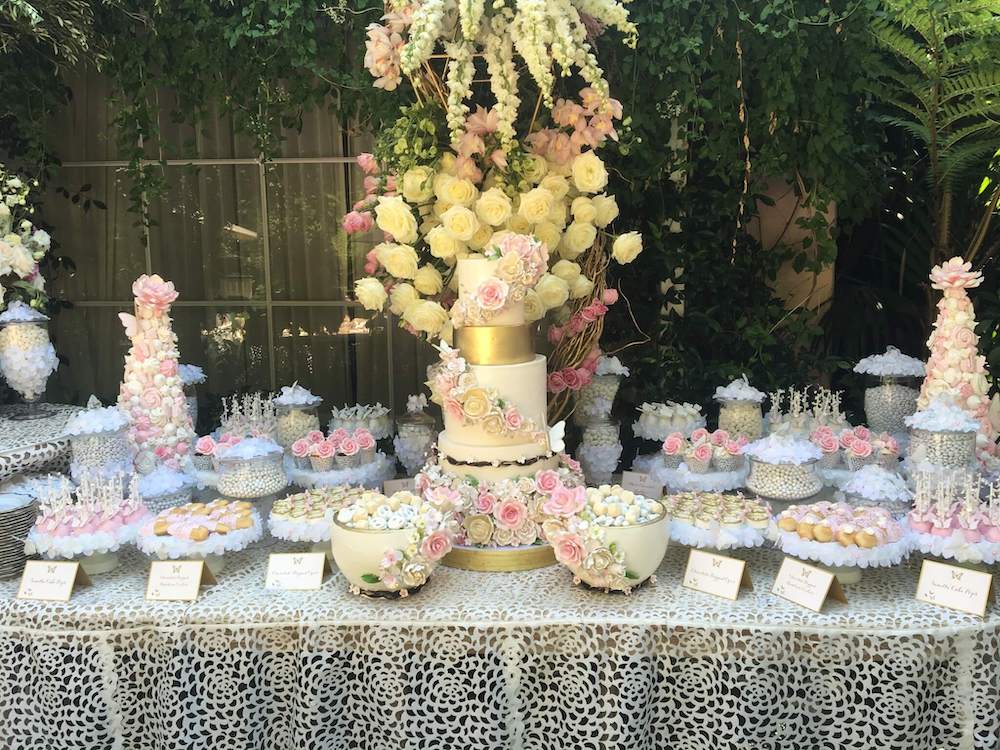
[190, 243]
[83, 129]
[104, 243]
[320, 135]
[213, 137]
[230, 343]
[410, 358]
[309, 249]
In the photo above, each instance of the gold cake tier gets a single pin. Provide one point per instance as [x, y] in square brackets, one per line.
[495, 345]
[502, 559]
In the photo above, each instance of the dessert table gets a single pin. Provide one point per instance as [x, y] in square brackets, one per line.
[40, 444]
[493, 660]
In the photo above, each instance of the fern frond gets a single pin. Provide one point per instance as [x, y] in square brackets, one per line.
[952, 115]
[973, 83]
[985, 126]
[956, 162]
[918, 130]
[893, 39]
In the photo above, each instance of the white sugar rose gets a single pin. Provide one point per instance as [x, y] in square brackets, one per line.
[566, 270]
[418, 184]
[428, 280]
[370, 293]
[393, 215]
[548, 233]
[460, 223]
[442, 244]
[552, 291]
[493, 207]
[401, 296]
[606, 208]
[533, 307]
[535, 205]
[577, 238]
[426, 316]
[399, 260]
[580, 287]
[555, 184]
[627, 247]
[583, 209]
[589, 174]
[460, 192]
[535, 168]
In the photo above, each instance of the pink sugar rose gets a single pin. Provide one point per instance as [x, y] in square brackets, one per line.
[339, 435]
[436, 545]
[702, 452]
[733, 447]
[860, 448]
[150, 398]
[454, 409]
[142, 422]
[673, 445]
[569, 550]
[862, 432]
[846, 438]
[168, 368]
[610, 296]
[205, 445]
[965, 337]
[322, 450]
[485, 502]
[510, 513]
[699, 435]
[719, 437]
[828, 444]
[571, 463]
[555, 334]
[546, 481]
[571, 378]
[357, 221]
[565, 501]
[743, 441]
[300, 448]
[556, 382]
[421, 482]
[492, 294]
[365, 442]
[162, 452]
[315, 436]
[513, 420]
[361, 432]
[349, 447]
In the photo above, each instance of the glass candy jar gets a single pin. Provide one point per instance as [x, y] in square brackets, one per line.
[783, 481]
[251, 477]
[600, 449]
[597, 397]
[948, 449]
[741, 417]
[415, 433]
[888, 401]
[104, 454]
[27, 357]
[295, 421]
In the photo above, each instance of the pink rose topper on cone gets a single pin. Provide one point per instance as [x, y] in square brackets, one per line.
[955, 369]
[153, 396]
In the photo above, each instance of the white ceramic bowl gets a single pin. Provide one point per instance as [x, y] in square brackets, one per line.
[644, 546]
[359, 552]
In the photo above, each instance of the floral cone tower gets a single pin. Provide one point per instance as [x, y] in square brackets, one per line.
[152, 394]
[955, 369]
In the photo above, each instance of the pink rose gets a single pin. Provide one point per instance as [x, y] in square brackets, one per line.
[733, 447]
[349, 447]
[357, 221]
[571, 463]
[168, 368]
[555, 334]
[421, 482]
[205, 445]
[610, 296]
[546, 481]
[154, 292]
[367, 163]
[485, 502]
[556, 382]
[454, 409]
[300, 448]
[569, 550]
[585, 376]
[436, 545]
[339, 435]
[315, 436]
[442, 497]
[361, 432]
[512, 419]
[182, 448]
[719, 437]
[150, 398]
[860, 448]
[702, 452]
[143, 422]
[571, 379]
[492, 294]
[673, 445]
[323, 450]
[965, 337]
[162, 452]
[588, 314]
[862, 432]
[829, 443]
[891, 445]
[510, 513]
[846, 438]
[365, 440]
[699, 435]
[565, 501]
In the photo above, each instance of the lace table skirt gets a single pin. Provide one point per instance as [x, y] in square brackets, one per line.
[494, 660]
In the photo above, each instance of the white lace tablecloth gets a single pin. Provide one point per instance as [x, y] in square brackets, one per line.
[489, 661]
[34, 444]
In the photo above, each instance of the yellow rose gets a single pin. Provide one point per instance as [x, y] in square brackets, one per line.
[418, 184]
[583, 209]
[426, 315]
[606, 208]
[460, 192]
[401, 296]
[441, 181]
[460, 223]
[566, 270]
[535, 168]
[482, 237]
[447, 333]
[493, 207]
[535, 205]
[519, 225]
[478, 529]
[447, 163]
[557, 214]
[442, 244]
[626, 247]
[394, 216]
[580, 287]
[475, 404]
[548, 234]
[493, 424]
[533, 307]
[399, 260]
[555, 184]
[577, 238]
[370, 293]
[552, 291]
[428, 280]
[589, 174]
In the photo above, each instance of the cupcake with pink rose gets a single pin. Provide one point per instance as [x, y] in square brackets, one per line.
[699, 458]
[204, 453]
[321, 456]
[300, 453]
[366, 444]
[673, 451]
[830, 447]
[348, 454]
[728, 455]
[859, 453]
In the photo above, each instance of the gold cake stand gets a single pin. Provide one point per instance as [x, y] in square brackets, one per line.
[502, 560]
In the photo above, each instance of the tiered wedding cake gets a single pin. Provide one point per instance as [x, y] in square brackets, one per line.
[496, 450]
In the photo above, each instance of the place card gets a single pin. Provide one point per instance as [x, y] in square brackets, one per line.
[296, 571]
[177, 580]
[408, 484]
[717, 575]
[954, 587]
[48, 581]
[642, 483]
[806, 585]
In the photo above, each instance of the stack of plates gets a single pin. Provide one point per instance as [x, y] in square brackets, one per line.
[17, 516]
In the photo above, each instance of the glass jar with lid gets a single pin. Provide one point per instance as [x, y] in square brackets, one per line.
[27, 357]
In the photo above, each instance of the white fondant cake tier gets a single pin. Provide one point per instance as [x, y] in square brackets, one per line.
[511, 461]
[520, 385]
[471, 273]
